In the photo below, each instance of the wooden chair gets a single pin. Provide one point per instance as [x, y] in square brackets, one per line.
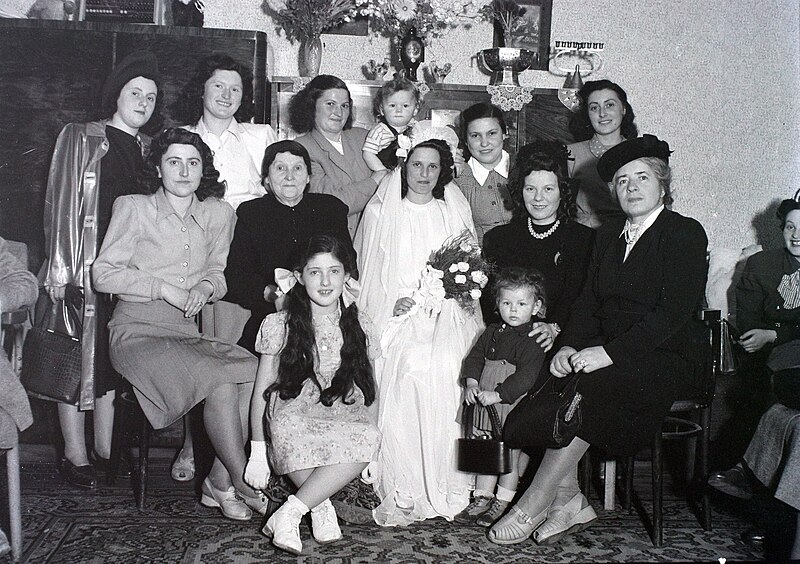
[127, 407]
[693, 424]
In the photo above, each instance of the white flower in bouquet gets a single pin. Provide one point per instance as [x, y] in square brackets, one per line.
[466, 247]
[460, 279]
[480, 278]
[463, 266]
[475, 294]
[453, 267]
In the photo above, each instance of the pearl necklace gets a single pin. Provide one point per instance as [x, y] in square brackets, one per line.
[597, 148]
[544, 235]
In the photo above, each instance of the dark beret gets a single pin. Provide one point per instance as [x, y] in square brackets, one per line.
[138, 63]
[630, 150]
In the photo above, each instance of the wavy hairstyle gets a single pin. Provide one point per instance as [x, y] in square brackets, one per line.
[297, 356]
[581, 127]
[543, 155]
[446, 164]
[210, 185]
[303, 105]
[514, 277]
[785, 208]
[188, 108]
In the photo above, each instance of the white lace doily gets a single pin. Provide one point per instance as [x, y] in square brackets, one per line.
[509, 98]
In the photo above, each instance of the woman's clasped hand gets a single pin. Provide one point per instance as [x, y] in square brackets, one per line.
[568, 360]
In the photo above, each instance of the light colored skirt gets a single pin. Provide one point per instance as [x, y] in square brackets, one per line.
[171, 366]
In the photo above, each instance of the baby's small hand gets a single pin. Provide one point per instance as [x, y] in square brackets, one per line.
[471, 395]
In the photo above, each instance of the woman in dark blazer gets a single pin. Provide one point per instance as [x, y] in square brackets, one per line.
[322, 112]
[271, 229]
[631, 336]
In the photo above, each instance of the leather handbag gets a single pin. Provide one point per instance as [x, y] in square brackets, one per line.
[485, 455]
[51, 357]
[548, 417]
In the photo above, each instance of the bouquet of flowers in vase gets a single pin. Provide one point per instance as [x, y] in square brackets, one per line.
[431, 18]
[302, 20]
[455, 271]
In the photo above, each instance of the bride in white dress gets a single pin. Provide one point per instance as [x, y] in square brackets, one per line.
[415, 209]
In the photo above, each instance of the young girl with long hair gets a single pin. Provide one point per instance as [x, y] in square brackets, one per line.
[314, 401]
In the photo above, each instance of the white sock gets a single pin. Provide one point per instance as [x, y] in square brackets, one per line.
[504, 494]
[297, 504]
[482, 493]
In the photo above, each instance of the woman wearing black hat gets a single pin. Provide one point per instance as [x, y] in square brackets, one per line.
[631, 337]
[94, 163]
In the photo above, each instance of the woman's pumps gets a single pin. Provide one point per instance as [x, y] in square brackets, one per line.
[516, 526]
[258, 503]
[79, 476]
[228, 501]
[183, 467]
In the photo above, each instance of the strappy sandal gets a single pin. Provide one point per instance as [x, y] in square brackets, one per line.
[516, 526]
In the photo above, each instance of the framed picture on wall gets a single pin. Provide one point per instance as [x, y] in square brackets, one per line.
[532, 32]
[359, 26]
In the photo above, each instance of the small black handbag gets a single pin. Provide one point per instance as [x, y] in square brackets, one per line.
[51, 358]
[486, 455]
[548, 417]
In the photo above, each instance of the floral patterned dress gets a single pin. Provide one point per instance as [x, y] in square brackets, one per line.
[304, 433]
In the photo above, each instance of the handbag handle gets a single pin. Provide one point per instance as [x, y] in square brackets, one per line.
[497, 428]
[572, 381]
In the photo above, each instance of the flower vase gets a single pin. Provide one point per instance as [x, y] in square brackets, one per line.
[310, 56]
[412, 53]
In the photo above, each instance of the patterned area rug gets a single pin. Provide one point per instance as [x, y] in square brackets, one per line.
[68, 525]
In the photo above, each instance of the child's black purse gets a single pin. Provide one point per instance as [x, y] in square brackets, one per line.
[487, 455]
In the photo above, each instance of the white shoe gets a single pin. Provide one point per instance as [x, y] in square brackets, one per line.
[561, 520]
[284, 528]
[324, 524]
[231, 505]
[259, 503]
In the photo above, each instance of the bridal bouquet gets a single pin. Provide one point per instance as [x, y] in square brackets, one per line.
[455, 271]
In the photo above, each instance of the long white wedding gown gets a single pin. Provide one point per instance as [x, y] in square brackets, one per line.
[418, 378]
